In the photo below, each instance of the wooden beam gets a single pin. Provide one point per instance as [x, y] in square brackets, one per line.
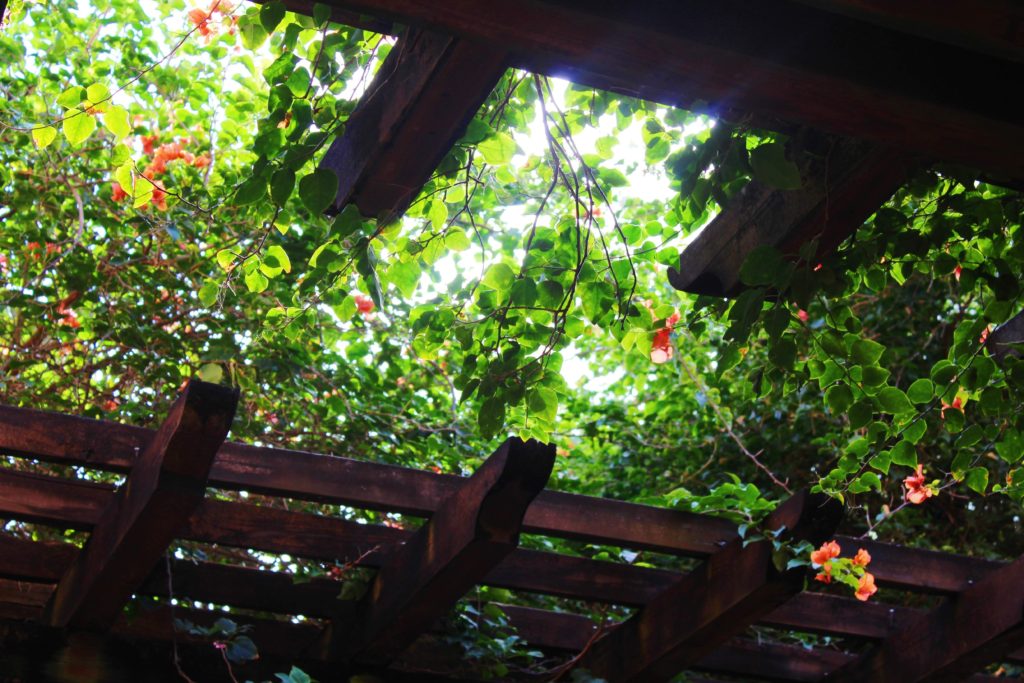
[980, 626]
[468, 536]
[343, 481]
[844, 182]
[162, 490]
[831, 72]
[994, 27]
[1001, 341]
[427, 90]
[732, 590]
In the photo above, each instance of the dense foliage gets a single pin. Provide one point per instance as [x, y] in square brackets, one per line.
[163, 218]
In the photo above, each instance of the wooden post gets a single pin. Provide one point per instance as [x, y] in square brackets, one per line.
[732, 590]
[149, 510]
[419, 104]
[470, 533]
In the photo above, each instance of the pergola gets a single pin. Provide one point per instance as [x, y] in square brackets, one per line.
[882, 86]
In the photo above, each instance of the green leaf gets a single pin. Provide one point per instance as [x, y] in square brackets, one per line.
[405, 276]
[499, 277]
[71, 97]
[881, 462]
[281, 185]
[252, 32]
[921, 391]
[318, 190]
[771, 166]
[763, 266]
[1011, 447]
[276, 257]
[976, 479]
[208, 293]
[894, 401]
[211, 372]
[116, 120]
[271, 14]
[866, 352]
[44, 136]
[915, 431]
[491, 417]
[225, 259]
[498, 150]
[904, 454]
[457, 240]
[97, 92]
[254, 189]
[123, 177]
[870, 480]
[256, 281]
[143, 192]
[839, 397]
[861, 413]
[78, 126]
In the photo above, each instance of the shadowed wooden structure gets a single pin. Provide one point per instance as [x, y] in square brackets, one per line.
[471, 537]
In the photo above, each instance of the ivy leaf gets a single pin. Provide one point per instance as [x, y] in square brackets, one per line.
[976, 479]
[498, 150]
[78, 126]
[771, 166]
[318, 190]
[116, 120]
[44, 136]
[281, 185]
[271, 14]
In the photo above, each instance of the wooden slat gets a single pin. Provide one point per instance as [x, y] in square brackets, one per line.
[980, 626]
[469, 535]
[427, 90]
[162, 490]
[343, 481]
[732, 590]
[831, 72]
[844, 182]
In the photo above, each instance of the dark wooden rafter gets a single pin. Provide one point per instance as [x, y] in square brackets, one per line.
[981, 625]
[469, 534]
[844, 182]
[732, 590]
[832, 71]
[164, 487]
[427, 90]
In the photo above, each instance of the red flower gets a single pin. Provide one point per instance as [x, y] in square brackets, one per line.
[159, 198]
[826, 552]
[957, 271]
[364, 304]
[866, 587]
[984, 335]
[957, 404]
[661, 346]
[802, 315]
[825, 576]
[917, 491]
[863, 558]
[147, 143]
[201, 161]
[118, 195]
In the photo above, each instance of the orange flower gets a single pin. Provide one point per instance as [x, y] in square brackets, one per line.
[201, 19]
[863, 558]
[159, 198]
[866, 587]
[364, 304]
[917, 491]
[661, 347]
[825, 576]
[957, 404]
[118, 195]
[147, 143]
[826, 552]
[201, 161]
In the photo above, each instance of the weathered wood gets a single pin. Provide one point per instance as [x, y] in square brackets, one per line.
[1001, 341]
[844, 182]
[469, 535]
[427, 90]
[995, 27]
[980, 626]
[732, 590]
[162, 490]
[343, 481]
[831, 72]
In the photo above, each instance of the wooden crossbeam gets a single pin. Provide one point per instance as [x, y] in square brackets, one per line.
[470, 534]
[78, 504]
[162, 490]
[111, 446]
[732, 590]
[980, 626]
[427, 90]
[844, 182]
[832, 72]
